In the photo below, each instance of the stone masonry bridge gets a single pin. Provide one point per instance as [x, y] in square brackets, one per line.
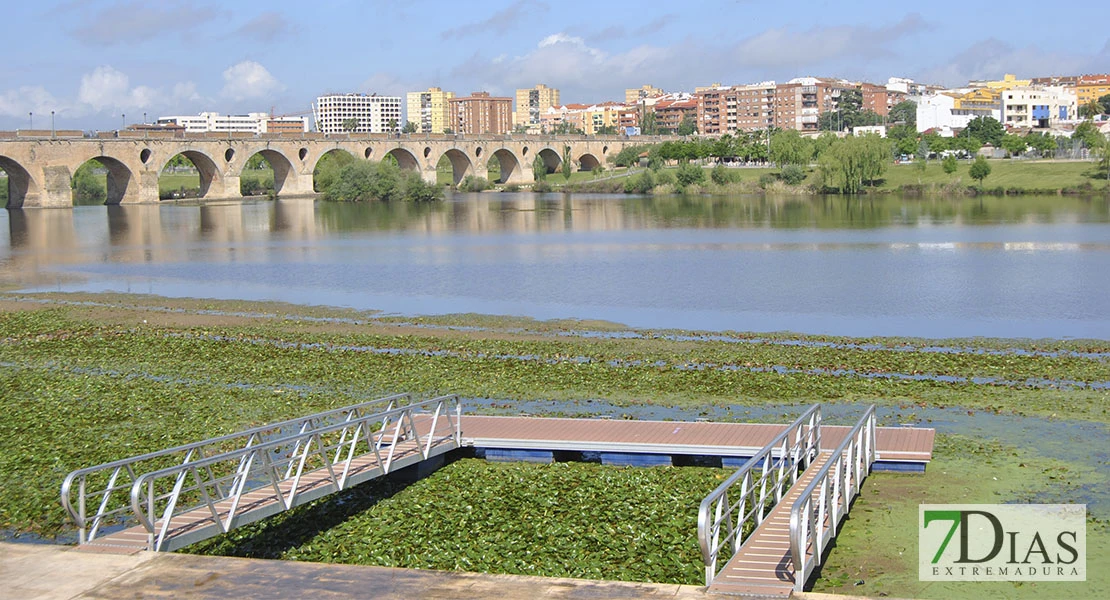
[40, 168]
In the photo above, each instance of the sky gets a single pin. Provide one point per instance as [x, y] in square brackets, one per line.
[94, 61]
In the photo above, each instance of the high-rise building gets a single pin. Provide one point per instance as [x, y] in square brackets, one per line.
[429, 110]
[726, 110]
[357, 113]
[533, 102]
[481, 113]
[636, 95]
[800, 102]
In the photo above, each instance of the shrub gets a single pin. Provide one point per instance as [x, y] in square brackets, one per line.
[640, 184]
[949, 164]
[690, 174]
[664, 178]
[721, 175]
[474, 184]
[766, 180]
[361, 181]
[793, 174]
[541, 187]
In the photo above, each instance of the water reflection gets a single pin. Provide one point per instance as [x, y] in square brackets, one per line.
[1029, 266]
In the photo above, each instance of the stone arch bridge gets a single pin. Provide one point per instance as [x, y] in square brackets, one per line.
[40, 170]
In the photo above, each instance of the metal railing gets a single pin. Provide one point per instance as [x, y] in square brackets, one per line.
[817, 513]
[729, 514]
[97, 485]
[224, 488]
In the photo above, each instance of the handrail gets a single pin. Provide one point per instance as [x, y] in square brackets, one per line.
[814, 521]
[278, 465]
[795, 447]
[128, 468]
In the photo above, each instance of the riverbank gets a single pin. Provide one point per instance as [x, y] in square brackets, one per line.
[117, 375]
[1008, 177]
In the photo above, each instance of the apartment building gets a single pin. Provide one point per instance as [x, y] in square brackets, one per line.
[533, 102]
[429, 110]
[637, 95]
[481, 113]
[670, 110]
[800, 102]
[1038, 107]
[879, 99]
[1091, 87]
[979, 102]
[727, 110]
[357, 113]
[248, 123]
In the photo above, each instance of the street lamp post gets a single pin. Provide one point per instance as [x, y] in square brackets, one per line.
[52, 130]
[122, 121]
[30, 120]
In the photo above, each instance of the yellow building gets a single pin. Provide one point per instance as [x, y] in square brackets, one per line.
[1008, 81]
[1091, 87]
[636, 95]
[979, 102]
[601, 115]
[531, 103]
[429, 110]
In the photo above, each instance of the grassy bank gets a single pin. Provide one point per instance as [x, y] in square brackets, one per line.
[92, 378]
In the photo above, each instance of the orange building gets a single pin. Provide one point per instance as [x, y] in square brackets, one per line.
[481, 113]
[1091, 87]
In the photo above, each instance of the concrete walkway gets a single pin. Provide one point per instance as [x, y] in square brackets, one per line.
[33, 571]
[41, 571]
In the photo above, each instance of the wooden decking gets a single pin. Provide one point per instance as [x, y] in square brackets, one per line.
[902, 444]
[763, 566]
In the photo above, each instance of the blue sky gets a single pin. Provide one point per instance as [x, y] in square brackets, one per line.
[91, 61]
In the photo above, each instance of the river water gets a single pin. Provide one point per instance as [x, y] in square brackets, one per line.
[870, 266]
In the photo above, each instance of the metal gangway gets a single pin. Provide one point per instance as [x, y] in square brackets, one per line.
[188, 493]
[765, 529]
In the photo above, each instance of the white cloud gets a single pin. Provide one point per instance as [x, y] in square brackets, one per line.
[106, 88]
[29, 99]
[248, 80]
[785, 48]
[991, 58]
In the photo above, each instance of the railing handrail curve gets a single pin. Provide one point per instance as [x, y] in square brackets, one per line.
[77, 515]
[807, 442]
[799, 539]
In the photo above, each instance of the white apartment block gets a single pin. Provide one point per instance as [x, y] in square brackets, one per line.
[213, 121]
[1039, 107]
[937, 111]
[334, 113]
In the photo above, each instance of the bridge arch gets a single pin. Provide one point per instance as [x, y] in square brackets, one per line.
[588, 162]
[20, 182]
[460, 165]
[509, 163]
[405, 159]
[552, 160]
[279, 163]
[206, 167]
[118, 178]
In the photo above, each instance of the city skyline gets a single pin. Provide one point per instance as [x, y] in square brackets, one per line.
[92, 64]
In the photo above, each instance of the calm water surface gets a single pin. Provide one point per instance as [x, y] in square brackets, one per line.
[999, 267]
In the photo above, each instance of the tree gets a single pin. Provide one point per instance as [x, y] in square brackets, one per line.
[448, 131]
[539, 169]
[392, 125]
[350, 124]
[1105, 102]
[949, 164]
[87, 187]
[986, 129]
[648, 125]
[689, 125]
[1087, 133]
[788, 147]
[980, 169]
[1013, 144]
[566, 162]
[566, 128]
[904, 112]
[606, 130]
[409, 127]
[1091, 109]
[689, 174]
[855, 160]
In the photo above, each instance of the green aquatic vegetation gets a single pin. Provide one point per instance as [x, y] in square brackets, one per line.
[558, 520]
